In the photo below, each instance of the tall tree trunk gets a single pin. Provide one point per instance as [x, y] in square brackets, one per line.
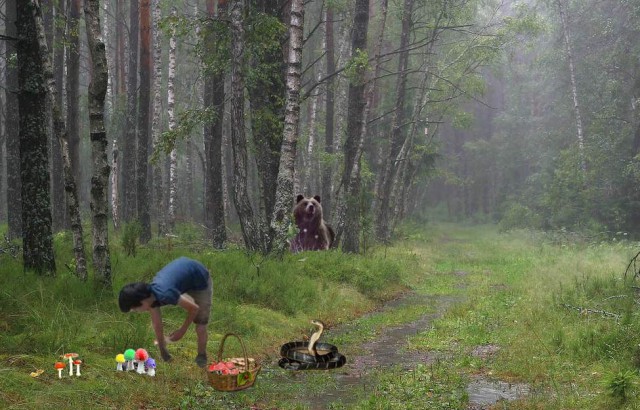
[37, 239]
[60, 134]
[73, 89]
[115, 191]
[171, 101]
[214, 97]
[14, 190]
[267, 110]
[351, 180]
[120, 49]
[57, 176]
[327, 166]
[396, 135]
[144, 102]
[158, 186]
[284, 194]
[100, 178]
[574, 87]
[129, 150]
[251, 229]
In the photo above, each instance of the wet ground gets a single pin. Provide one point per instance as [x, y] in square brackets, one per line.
[389, 349]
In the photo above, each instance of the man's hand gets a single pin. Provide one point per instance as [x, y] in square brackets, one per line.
[177, 335]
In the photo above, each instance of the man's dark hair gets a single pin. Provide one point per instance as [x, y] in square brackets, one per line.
[131, 295]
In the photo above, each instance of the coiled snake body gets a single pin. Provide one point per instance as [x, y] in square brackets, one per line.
[311, 355]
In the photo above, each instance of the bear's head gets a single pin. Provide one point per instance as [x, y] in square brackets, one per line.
[307, 211]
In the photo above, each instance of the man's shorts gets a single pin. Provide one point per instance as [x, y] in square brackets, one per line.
[203, 299]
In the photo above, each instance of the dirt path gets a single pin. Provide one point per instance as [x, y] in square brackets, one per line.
[389, 349]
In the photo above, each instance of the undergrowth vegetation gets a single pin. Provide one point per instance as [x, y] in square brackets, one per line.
[550, 311]
[265, 300]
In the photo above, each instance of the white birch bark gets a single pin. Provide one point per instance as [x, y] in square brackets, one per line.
[100, 178]
[115, 195]
[284, 192]
[173, 156]
[60, 130]
[574, 88]
[155, 123]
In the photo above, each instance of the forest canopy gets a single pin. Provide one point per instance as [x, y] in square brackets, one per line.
[141, 116]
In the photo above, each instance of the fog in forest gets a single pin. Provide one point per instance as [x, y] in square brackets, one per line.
[218, 113]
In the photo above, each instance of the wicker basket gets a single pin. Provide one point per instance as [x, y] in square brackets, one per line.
[233, 382]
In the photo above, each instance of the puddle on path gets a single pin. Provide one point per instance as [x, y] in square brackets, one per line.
[484, 393]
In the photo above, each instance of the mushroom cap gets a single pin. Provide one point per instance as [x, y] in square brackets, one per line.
[150, 363]
[70, 355]
[120, 358]
[59, 365]
[129, 354]
[77, 361]
[141, 354]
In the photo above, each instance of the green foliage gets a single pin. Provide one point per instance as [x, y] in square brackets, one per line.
[186, 122]
[517, 215]
[356, 66]
[129, 240]
[620, 384]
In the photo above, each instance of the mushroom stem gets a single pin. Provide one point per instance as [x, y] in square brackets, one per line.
[70, 366]
[59, 373]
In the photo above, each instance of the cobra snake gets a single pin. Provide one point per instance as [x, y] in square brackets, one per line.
[311, 355]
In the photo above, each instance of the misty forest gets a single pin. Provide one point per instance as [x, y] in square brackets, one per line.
[130, 129]
[492, 111]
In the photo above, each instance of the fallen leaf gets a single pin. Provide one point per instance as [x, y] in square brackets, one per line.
[36, 373]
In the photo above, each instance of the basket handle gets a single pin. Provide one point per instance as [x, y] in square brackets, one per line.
[244, 350]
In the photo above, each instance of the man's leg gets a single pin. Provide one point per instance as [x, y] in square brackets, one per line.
[203, 335]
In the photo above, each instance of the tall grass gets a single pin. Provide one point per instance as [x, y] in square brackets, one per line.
[267, 301]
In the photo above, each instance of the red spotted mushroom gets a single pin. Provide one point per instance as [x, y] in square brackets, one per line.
[77, 362]
[59, 367]
[70, 357]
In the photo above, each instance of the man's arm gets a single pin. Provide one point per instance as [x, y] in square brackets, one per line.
[156, 322]
[187, 303]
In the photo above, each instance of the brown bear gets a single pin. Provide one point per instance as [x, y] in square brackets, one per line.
[313, 232]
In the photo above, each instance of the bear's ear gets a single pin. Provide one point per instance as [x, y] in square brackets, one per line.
[317, 198]
[299, 198]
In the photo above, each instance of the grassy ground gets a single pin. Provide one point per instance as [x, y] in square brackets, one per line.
[558, 313]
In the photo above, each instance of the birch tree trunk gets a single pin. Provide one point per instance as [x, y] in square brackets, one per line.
[396, 135]
[350, 180]
[115, 191]
[171, 101]
[251, 229]
[37, 239]
[144, 100]
[100, 178]
[284, 194]
[60, 133]
[574, 87]
[158, 186]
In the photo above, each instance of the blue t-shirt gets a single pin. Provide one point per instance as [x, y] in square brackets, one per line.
[179, 276]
